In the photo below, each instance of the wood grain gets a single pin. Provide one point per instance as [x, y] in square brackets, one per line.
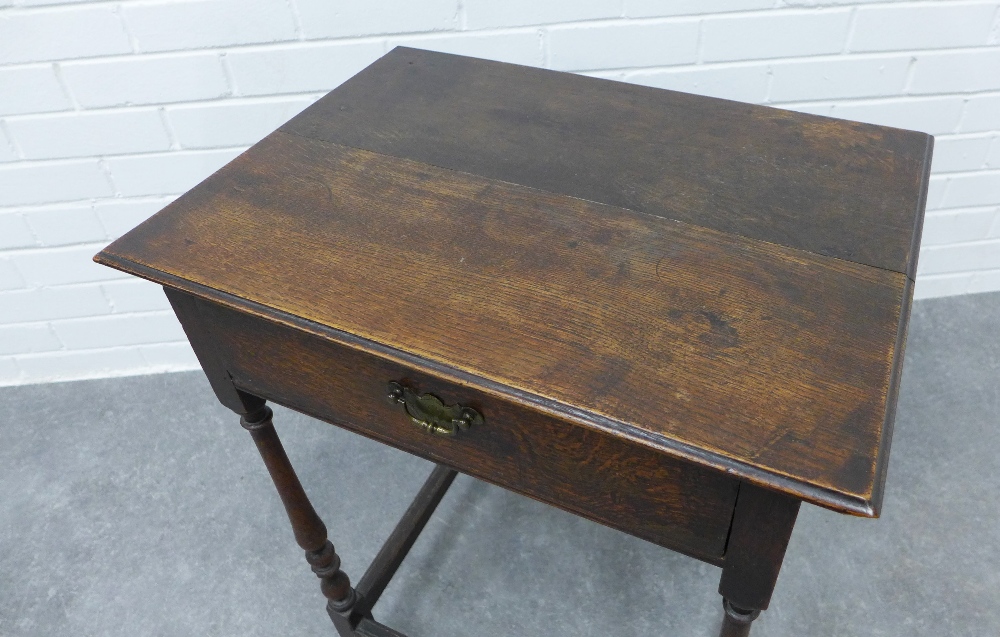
[843, 189]
[762, 525]
[673, 503]
[769, 362]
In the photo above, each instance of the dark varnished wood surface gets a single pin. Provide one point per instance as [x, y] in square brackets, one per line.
[762, 525]
[833, 187]
[310, 532]
[670, 502]
[767, 361]
[679, 316]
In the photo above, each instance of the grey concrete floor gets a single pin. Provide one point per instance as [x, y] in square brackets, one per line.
[139, 507]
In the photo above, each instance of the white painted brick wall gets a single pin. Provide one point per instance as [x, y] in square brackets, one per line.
[485, 14]
[14, 232]
[31, 89]
[6, 149]
[62, 33]
[340, 19]
[64, 225]
[231, 123]
[747, 83]
[640, 44]
[520, 47]
[925, 26]
[193, 24]
[870, 76]
[300, 67]
[655, 8]
[10, 279]
[957, 154]
[935, 115]
[151, 79]
[110, 109]
[774, 34]
[980, 114]
[962, 72]
[165, 173]
[83, 134]
[23, 182]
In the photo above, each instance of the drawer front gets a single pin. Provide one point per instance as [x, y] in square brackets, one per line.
[667, 501]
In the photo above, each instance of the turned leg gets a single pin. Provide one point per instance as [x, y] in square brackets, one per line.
[255, 416]
[762, 526]
[309, 530]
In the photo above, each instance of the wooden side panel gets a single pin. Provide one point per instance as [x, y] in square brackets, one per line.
[833, 187]
[203, 342]
[626, 486]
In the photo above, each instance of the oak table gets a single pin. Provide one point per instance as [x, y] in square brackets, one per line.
[675, 315]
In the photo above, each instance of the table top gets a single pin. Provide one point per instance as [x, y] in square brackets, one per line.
[727, 283]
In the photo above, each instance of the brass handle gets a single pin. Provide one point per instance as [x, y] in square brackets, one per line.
[430, 414]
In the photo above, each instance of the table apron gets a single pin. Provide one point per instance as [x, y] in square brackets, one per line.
[613, 481]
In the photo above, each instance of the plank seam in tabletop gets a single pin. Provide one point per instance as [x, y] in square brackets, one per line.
[816, 494]
[644, 213]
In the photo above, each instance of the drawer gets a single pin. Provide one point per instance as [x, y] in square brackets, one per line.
[593, 474]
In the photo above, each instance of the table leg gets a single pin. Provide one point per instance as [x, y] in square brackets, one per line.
[736, 621]
[255, 416]
[310, 532]
[762, 525]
